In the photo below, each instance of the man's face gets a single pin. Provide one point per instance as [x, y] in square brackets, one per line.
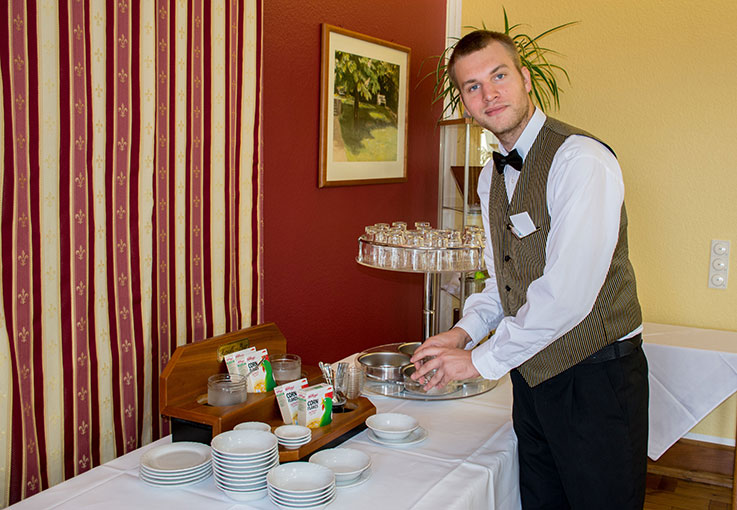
[494, 92]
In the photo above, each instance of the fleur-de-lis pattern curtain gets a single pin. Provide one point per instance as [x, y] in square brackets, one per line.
[128, 215]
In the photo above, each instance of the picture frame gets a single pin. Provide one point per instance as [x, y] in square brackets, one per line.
[368, 144]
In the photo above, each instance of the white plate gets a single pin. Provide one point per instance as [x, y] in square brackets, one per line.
[169, 478]
[356, 481]
[417, 435]
[180, 456]
[177, 474]
[178, 483]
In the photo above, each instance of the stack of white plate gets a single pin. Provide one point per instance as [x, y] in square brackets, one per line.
[292, 437]
[241, 460]
[301, 485]
[176, 464]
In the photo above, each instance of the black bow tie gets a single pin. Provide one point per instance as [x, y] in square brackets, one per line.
[513, 158]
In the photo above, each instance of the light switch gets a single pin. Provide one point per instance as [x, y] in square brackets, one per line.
[718, 264]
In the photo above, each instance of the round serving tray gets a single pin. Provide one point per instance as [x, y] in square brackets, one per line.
[467, 388]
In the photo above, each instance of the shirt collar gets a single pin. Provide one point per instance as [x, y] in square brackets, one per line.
[527, 138]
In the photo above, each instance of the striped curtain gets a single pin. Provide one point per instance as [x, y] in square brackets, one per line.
[129, 215]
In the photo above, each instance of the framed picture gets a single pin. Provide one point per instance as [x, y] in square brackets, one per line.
[363, 109]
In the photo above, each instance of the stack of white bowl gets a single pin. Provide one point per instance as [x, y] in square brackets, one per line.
[351, 467]
[302, 485]
[176, 464]
[241, 459]
[292, 437]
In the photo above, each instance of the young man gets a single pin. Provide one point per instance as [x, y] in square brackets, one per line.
[560, 298]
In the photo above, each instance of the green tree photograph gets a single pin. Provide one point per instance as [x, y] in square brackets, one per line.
[366, 100]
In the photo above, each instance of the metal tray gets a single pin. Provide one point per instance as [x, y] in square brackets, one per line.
[467, 388]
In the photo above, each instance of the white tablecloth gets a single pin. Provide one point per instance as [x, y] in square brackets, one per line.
[692, 371]
[468, 461]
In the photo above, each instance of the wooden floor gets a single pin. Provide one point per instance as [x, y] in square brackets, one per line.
[665, 493]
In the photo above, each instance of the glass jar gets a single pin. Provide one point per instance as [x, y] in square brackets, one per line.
[226, 389]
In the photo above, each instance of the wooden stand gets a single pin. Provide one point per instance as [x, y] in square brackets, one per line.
[183, 393]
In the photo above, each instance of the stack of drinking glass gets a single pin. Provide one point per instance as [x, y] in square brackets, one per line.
[422, 249]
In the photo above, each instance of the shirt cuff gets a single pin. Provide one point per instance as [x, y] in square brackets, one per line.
[484, 362]
[476, 328]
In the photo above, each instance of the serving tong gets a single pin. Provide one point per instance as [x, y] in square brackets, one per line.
[335, 378]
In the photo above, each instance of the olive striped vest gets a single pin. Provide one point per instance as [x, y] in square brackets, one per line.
[518, 262]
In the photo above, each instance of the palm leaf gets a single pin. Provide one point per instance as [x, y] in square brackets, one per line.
[544, 75]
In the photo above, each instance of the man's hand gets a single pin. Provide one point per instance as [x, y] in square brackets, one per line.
[452, 362]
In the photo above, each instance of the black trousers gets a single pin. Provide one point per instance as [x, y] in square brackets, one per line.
[583, 436]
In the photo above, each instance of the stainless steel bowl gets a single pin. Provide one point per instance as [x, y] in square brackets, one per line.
[384, 366]
[409, 348]
[415, 387]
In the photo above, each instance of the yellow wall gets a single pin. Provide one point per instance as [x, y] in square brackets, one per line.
[657, 80]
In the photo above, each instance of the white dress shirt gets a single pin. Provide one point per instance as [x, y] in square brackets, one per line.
[585, 193]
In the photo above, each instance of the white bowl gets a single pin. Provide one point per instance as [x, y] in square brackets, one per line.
[300, 478]
[346, 463]
[253, 425]
[243, 444]
[292, 432]
[392, 425]
[245, 495]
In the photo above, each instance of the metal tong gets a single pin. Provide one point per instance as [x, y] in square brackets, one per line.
[335, 379]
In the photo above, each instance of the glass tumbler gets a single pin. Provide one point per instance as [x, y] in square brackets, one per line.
[286, 368]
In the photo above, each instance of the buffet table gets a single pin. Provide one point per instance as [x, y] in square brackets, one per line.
[468, 461]
[692, 371]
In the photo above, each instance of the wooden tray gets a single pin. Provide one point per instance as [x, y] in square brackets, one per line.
[183, 392]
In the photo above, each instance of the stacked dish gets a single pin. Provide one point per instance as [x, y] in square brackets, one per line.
[350, 467]
[176, 464]
[241, 460]
[301, 485]
[292, 437]
[394, 429]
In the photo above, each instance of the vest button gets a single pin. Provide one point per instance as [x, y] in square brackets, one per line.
[507, 258]
[507, 288]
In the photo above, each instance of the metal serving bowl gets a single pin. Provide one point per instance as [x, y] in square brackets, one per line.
[416, 387]
[384, 366]
[409, 348]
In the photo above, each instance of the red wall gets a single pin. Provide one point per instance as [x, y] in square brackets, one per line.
[326, 304]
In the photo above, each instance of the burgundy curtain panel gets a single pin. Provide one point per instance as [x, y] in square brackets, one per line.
[129, 216]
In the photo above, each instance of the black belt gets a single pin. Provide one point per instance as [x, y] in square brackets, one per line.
[616, 350]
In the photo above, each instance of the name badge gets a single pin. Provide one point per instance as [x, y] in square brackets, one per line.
[522, 225]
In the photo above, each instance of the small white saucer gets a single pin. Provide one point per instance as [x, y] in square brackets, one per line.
[417, 435]
[356, 481]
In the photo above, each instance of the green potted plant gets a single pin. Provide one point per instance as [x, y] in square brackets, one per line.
[544, 74]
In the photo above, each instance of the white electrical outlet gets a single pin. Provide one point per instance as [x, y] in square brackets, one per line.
[718, 264]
